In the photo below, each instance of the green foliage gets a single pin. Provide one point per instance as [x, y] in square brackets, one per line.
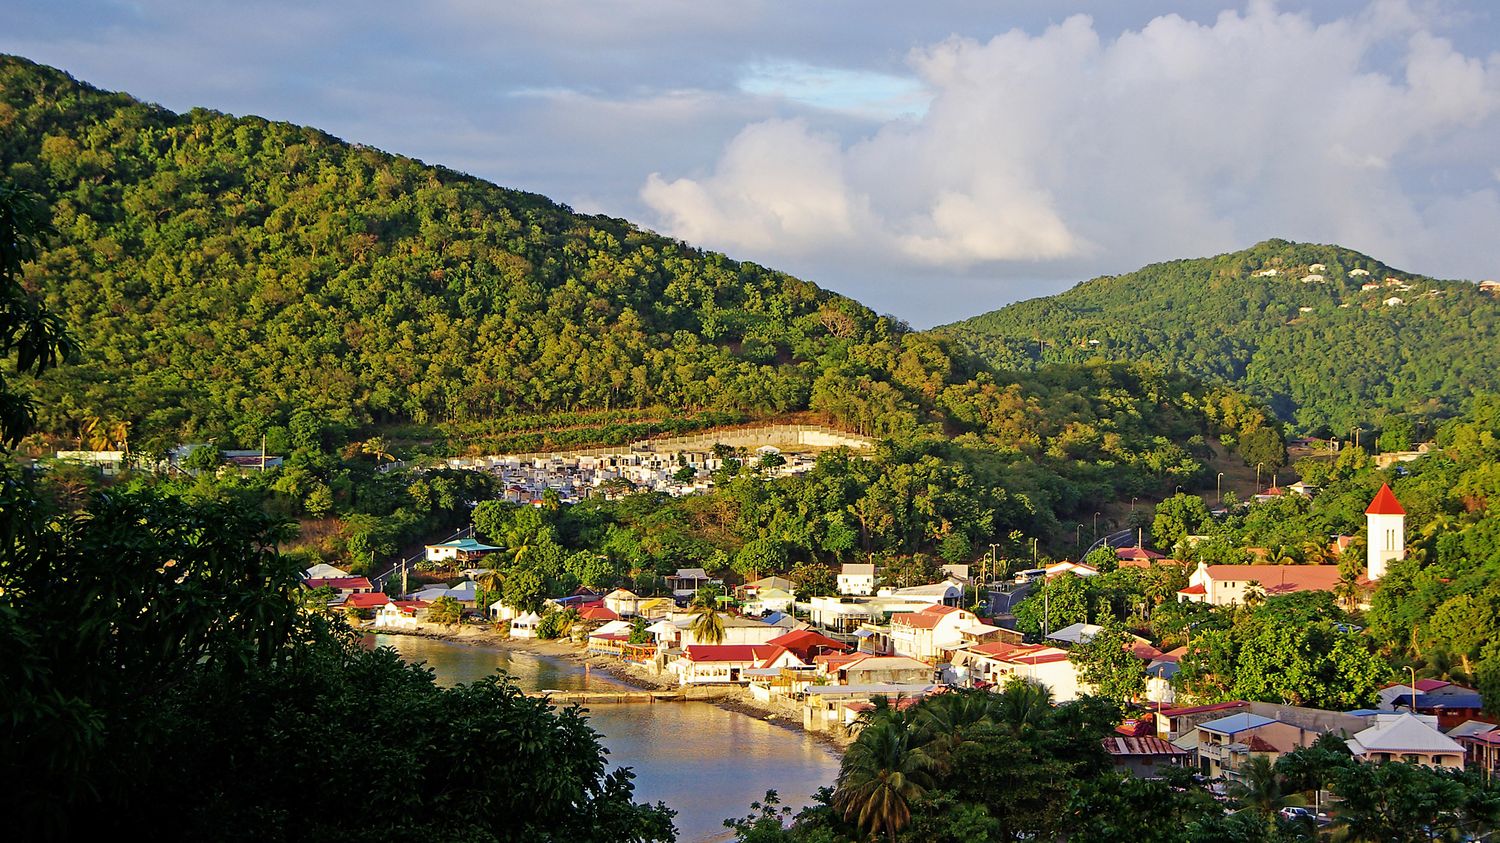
[1299, 649]
[1347, 363]
[556, 623]
[814, 579]
[1178, 517]
[1107, 665]
[445, 610]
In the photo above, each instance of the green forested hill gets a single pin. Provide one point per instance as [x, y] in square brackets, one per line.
[230, 277]
[221, 271]
[1324, 354]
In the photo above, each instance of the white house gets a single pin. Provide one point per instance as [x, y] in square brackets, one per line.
[399, 614]
[323, 570]
[857, 578]
[623, 602]
[459, 550]
[1407, 737]
[706, 664]
[930, 633]
[997, 662]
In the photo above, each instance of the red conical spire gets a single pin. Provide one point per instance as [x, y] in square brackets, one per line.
[1385, 503]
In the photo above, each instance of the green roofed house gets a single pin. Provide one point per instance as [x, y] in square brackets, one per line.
[459, 550]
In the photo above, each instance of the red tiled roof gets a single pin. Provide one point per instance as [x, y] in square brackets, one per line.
[804, 642]
[410, 607]
[1279, 579]
[1140, 746]
[732, 652]
[1200, 709]
[1137, 553]
[366, 601]
[597, 613]
[1385, 503]
[1260, 744]
[916, 620]
[340, 583]
[1423, 685]
[1194, 589]
[940, 610]
[1143, 651]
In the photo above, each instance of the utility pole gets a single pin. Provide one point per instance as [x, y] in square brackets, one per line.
[262, 453]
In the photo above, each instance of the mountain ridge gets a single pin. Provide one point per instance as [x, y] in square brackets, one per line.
[1295, 339]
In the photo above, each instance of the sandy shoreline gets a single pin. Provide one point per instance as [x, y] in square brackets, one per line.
[733, 699]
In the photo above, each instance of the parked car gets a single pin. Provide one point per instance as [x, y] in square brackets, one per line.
[1296, 812]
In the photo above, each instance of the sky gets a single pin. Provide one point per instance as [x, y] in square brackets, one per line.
[933, 160]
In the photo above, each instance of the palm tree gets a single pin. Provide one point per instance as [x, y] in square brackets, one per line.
[375, 447]
[1346, 590]
[883, 771]
[1022, 704]
[708, 625]
[1259, 788]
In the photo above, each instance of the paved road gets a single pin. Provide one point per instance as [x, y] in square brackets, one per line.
[1122, 538]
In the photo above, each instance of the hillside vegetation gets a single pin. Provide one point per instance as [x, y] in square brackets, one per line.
[1323, 353]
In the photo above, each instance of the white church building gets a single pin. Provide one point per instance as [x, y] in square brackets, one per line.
[1224, 585]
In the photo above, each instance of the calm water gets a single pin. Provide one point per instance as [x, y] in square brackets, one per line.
[704, 762]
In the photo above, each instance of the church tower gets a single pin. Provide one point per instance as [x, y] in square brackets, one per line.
[1385, 532]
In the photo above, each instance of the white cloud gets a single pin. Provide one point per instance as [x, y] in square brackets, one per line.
[1068, 149]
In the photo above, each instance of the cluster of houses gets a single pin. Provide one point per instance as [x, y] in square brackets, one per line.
[1430, 722]
[825, 659]
[524, 479]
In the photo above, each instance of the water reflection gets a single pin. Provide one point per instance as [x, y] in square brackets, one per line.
[703, 761]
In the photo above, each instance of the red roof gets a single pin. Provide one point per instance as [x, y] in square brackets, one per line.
[366, 601]
[1194, 589]
[410, 607]
[1260, 744]
[597, 613]
[1423, 685]
[1278, 579]
[762, 653]
[806, 643]
[1199, 709]
[1385, 503]
[917, 620]
[341, 583]
[1140, 746]
[1137, 553]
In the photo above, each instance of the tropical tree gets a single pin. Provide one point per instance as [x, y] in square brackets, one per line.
[882, 773]
[445, 610]
[1260, 788]
[707, 625]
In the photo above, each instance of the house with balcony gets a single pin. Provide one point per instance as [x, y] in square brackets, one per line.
[929, 634]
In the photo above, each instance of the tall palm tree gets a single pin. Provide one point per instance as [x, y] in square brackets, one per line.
[883, 771]
[1260, 788]
[1021, 704]
[1346, 590]
[708, 625]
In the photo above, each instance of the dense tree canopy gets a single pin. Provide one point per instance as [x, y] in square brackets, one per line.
[1323, 353]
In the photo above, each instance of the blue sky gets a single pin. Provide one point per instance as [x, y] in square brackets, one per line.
[933, 160]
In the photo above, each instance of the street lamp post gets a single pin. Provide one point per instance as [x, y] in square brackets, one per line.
[1219, 488]
[1413, 672]
[1078, 538]
[1257, 476]
[1096, 526]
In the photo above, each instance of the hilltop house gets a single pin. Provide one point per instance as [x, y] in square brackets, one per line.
[458, 552]
[857, 579]
[342, 586]
[996, 663]
[686, 582]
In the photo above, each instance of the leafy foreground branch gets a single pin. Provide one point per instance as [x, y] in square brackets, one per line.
[159, 675]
